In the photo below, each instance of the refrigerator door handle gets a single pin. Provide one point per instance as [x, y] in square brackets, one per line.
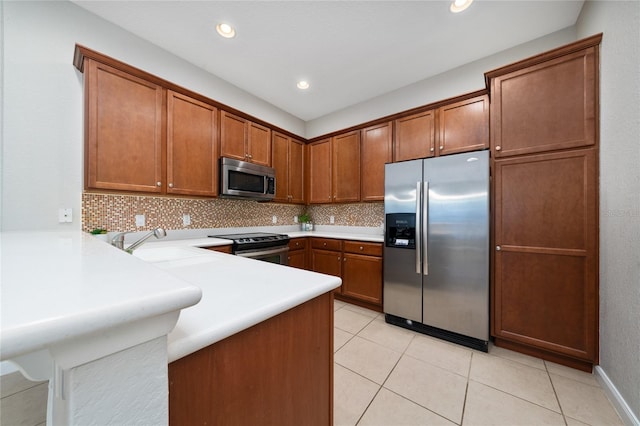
[425, 228]
[418, 231]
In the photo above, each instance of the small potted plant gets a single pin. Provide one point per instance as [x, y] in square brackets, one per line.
[305, 222]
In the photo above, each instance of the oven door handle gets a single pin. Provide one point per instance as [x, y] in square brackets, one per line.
[266, 252]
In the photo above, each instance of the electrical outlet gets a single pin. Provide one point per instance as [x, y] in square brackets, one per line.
[332, 219]
[274, 219]
[186, 219]
[295, 219]
[140, 220]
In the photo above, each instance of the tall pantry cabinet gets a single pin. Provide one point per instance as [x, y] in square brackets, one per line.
[544, 142]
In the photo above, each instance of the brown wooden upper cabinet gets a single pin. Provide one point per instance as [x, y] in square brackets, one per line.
[288, 162]
[244, 140]
[463, 126]
[192, 160]
[376, 149]
[334, 169]
[548, 106]
[415, 136]
[460, 126]
[123, 130]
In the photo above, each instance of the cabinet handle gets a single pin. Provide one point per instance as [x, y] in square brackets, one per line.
[498, 148]
[498, 248]
[158, 183]
[170, 185]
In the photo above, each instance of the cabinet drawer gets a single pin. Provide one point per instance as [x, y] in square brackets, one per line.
[361, 247]
[297, 244]
[326, 243]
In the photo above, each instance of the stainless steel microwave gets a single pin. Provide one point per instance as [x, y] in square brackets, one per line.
[242, 179]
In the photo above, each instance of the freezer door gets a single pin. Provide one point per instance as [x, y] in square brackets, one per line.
[402, 289]
[456, 289]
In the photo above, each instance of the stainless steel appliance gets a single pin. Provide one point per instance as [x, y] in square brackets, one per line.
[268, 247]
[436, 254]
[240, 179]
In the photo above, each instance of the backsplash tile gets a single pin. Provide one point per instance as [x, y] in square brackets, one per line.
[116, 212]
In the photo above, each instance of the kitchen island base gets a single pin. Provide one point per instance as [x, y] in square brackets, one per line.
[278, 372]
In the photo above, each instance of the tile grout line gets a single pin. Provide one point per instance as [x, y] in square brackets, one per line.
[555, 393]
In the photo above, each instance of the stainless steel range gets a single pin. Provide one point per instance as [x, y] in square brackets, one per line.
[264, 246]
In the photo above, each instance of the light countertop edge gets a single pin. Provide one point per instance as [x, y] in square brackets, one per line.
[57, 286]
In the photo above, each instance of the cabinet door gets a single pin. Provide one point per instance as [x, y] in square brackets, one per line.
[124, 130]
[464, 126]
[545, 284]
[280, 147]
[415, 136]
[326, 262]
[319, 166]
[191, 146]
[548, 106]
[376, 150]
[233, 136]
[362, 277]
[259, 144]
[296, 172]
[346, 167]
[298, 259]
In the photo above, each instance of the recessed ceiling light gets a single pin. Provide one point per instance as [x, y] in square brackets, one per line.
[303, 85]
[460, 5]
[226, 30]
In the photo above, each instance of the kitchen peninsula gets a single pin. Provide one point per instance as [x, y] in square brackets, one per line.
[88, 297]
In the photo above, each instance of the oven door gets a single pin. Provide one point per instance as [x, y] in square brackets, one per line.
[277, 255]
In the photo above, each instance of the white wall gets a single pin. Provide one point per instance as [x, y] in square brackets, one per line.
[42, 99]
[465, 79]
[619, 190]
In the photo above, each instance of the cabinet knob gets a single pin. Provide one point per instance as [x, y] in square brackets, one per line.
[498, 148]
[324, 244]
[498, 248]
[344, 259]
[432, 150]
[158, 183]
[361, 248]
[170, 185]
[441, 146]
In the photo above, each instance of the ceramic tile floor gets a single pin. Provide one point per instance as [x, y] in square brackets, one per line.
[386, 375]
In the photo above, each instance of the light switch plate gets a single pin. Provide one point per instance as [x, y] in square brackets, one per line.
[186, 219]
[140, 220]
[332, 219]
[274, 219]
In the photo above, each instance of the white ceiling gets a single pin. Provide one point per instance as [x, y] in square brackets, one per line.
[349, 51]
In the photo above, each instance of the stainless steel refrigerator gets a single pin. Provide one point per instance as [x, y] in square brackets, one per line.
[436, 254]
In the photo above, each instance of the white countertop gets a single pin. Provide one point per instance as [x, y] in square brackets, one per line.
[59, 286]
[237, 292]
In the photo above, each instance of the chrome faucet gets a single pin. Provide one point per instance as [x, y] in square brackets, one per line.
[118, 239]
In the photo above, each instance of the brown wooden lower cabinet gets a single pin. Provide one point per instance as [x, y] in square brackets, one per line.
[298, 253]
[545, 295]
[278, 372]
[358, 263]
[221, 249]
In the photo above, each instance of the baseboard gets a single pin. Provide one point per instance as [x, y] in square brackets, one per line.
[621, 406]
